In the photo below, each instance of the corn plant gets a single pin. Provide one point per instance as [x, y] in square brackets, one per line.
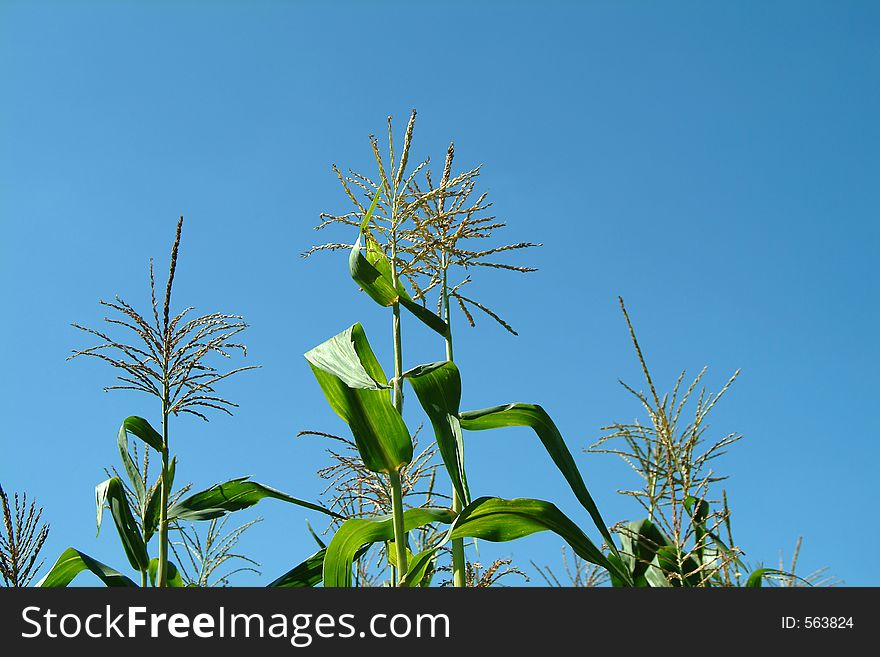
[170, 361]
[391, 249]
[681, 541]
[21, 539]
[442, 235]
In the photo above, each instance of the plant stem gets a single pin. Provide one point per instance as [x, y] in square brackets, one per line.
[459, 567]
[395, 328]
[143, 579]
[162, 575]
[397, 512]
[396, 487]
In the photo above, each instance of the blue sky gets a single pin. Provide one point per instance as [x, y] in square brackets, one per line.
[716, 165]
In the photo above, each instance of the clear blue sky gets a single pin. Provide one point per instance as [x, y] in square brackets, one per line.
[715, 164]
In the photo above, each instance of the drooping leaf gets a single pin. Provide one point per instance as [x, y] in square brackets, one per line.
[370, 279]
[112, 494]
[304, 575]
[438, 388]
[134, 474]
[427, 318]
[142, 429]
[536, 418]
[349, 357]
[373, 274]
[174, 581]
[498, 520]
[152, 514]
[352, 381]
[231, 496]
[72, 562]
[757, 577]
[356, 533]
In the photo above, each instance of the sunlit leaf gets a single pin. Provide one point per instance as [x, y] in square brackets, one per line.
[230, 496]
[72, 562]
[535, 417]
[372, 272]
[498, 520]
[174, 580]
[352, 380]
[356, 533]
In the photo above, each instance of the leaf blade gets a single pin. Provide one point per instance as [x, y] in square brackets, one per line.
[438, 388]
[231, 496]
[342, 370]
[142, 429]
[496, 519]
[304, 575]
[536, 418]
[72, 562]
[174, 580]
[111, 493]
[356, 533]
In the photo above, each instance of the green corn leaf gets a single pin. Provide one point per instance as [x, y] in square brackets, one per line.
[304, 575]
[370, 279]
[654, 575]
[72, 562]
[699, 512]
[535, 417]
[369, 215]
[639, 542]
[373, 274]
[134, 474]
[427, 318]
[677, 571]
[317, 538]
[420, 568]
[619, 566]
[756, 579]
[353, 383]
[392, 554]
[142, 429]
[175, 581]
[349, 357]
[758, 576]
[112, 494]
[438, 387]
[154, 504]
[497, 520]
[230, 496]
[356, 533]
